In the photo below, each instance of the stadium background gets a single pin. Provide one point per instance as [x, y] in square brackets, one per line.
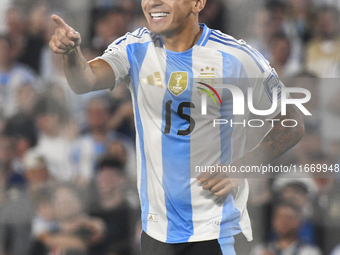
[67, 162]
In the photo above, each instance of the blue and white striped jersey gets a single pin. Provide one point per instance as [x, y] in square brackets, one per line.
[173, 137]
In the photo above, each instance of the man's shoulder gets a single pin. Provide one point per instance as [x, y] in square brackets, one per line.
[139, 35]
[237, 49]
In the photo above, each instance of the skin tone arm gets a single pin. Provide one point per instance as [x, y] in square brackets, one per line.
[275, 143]
[62, 241]
[81, 75]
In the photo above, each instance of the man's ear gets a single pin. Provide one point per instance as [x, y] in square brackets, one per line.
[199, 5]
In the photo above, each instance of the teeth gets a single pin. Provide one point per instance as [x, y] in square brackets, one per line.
[159, 15]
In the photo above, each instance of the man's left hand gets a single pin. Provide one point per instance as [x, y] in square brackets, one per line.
[218, 182]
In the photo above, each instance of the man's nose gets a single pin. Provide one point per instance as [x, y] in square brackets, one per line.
[153, 3]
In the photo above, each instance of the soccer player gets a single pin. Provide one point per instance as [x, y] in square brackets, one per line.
[180, 214]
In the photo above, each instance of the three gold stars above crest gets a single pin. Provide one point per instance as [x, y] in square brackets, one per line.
[207, 68]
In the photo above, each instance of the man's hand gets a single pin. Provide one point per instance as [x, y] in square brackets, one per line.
[65, 38]
[218, 183]
[275, 143]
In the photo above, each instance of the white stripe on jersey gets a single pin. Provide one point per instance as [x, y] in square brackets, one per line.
[149, 97]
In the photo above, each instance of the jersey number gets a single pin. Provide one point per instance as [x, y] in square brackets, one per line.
[182, 115]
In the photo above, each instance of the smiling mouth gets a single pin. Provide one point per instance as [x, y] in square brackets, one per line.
[158, 15]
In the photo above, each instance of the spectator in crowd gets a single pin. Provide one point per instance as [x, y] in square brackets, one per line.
[123, 150]
[25, 98]
[214, 15]
[34, 37]
[94, 142]
[67, 229]
[309, 81]
[322, 54]
[286, 222]
[15, 21]
[22, 135]
[270, 20]
[53, 143]
[260, 207]
[323, 58]
[310, 144]
[122, 111]
[298, 193]
[12, 76]
[261, 31]
[113, 208]
[281, 51]
[300, 18]
[326, 208]
[18, 210]
[109, 25]
[6, 156]
[44, 220]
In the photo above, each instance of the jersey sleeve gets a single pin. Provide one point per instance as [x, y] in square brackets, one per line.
[263, 87]
[116, 56]
[260, 76]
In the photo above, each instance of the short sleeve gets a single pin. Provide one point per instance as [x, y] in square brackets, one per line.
[116, 56]
[263, 87]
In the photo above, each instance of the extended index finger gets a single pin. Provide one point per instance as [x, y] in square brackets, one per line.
[60, 22]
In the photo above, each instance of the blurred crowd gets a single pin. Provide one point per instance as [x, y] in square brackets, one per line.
[67, 162]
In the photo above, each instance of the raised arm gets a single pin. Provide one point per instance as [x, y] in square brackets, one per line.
[81, 75]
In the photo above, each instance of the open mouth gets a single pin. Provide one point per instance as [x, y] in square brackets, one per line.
[158, 15]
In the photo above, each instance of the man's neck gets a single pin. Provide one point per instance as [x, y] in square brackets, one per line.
[183, 41]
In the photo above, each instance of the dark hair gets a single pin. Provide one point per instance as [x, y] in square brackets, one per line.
[275, 5]
[327, 8]
[280, 36]
[22, 126]
[110, 162]
[285, 203]
[47, 105]
[297, 186]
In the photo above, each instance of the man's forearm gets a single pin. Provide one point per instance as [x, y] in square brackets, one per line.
[276, 142]
[78, 72]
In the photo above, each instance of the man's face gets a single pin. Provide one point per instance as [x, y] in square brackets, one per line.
[109, 179]
[285, 222]
[168, 17]
[327, 25]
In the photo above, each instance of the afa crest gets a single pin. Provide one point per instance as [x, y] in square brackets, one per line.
[207, 75]
[178, 82]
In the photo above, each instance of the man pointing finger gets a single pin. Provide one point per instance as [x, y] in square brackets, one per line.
[65, 38]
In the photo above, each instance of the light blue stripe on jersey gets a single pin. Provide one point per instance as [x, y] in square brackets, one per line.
[136, 53]
[232, 67]
[176, 155]
[227, 245]
[240, 48]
